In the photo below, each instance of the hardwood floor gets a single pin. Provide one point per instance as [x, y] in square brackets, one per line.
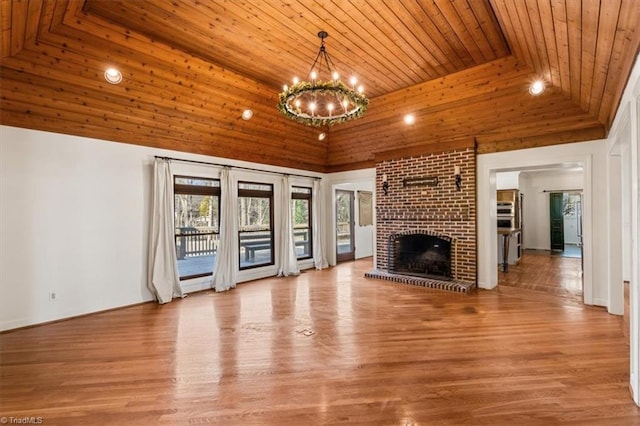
[327, 347]
[546, 274]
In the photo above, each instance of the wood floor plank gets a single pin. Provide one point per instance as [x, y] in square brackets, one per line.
[326, 347]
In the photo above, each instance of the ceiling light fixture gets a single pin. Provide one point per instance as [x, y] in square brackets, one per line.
[321, 136]
[536, 88]
[323, 100]
[113, 76]
[409, 119]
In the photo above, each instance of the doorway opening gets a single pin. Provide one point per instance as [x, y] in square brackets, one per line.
[565, 223]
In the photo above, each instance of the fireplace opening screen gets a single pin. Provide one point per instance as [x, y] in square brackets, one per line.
[420, 255]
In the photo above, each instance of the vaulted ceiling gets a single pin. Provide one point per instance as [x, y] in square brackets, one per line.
[462, 67]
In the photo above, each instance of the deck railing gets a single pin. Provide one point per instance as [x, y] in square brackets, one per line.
[192, 242]
[203, 241]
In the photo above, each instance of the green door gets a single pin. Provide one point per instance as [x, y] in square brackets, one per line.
[556, 221]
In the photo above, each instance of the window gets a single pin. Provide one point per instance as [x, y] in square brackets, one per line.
[197, 224]
[571, 203]
[301, 219]
[255, 222]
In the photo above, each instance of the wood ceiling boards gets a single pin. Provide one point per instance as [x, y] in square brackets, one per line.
[190, 68]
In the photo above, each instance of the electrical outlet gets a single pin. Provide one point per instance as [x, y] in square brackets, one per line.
[52, 296]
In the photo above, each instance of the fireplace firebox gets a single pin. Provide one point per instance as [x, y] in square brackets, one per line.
[420, 254]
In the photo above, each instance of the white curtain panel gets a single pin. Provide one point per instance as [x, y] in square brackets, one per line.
[287, 253]
[319, 216]
[226, 267]
[164, 281]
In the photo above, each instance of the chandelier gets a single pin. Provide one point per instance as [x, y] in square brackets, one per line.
[323, 100]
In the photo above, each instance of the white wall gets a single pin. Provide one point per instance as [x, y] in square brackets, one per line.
[536, 202]
[359, 180]
[73, 220]
[508, 180]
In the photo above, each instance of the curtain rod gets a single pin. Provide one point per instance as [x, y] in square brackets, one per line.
[235, 167]
[562, 190]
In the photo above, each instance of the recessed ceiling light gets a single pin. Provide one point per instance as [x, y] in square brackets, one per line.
[409, 119]
[321, 136]
[113, 76]
[536, 88]
[247, 114]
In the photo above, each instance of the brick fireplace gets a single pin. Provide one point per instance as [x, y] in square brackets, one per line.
[422, 198]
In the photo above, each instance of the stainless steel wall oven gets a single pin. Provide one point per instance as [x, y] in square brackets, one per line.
[506, 214]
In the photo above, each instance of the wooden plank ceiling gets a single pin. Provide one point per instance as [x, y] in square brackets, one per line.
[462, 67]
